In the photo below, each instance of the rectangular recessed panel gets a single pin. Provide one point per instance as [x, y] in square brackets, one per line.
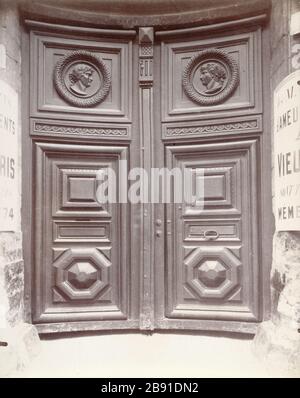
[82, 189]
[225, 230]
[75, 186]
[78, 186]
[215, 180]
[214, 187]
[81, 231]
[75, 232]
[210, 230]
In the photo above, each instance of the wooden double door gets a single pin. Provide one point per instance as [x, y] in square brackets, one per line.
[125, 99]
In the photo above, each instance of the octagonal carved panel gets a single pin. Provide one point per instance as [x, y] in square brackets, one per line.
[212, 272]
[82, 273]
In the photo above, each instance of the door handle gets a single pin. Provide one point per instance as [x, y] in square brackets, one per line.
[158, 223]
[211, 234]
[158, 233]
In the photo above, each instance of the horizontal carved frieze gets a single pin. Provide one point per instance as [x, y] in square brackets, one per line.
[51, 129]
[209, 128]
[241, 126]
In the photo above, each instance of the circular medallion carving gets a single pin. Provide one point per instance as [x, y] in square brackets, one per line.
[82, 79]
[210, 77]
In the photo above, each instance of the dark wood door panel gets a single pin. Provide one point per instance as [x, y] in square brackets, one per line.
[98, 97]
[81, 269]
[54, 62]
[213, 264]
[184, 96]
[80, 96]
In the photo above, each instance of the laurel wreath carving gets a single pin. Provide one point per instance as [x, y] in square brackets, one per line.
[230, 85]
[60, 84]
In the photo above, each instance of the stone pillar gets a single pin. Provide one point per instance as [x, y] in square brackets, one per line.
[19, 341]
[277, 341]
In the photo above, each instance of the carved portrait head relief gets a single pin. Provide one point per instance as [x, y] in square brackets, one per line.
[82, 79]
[212, 76]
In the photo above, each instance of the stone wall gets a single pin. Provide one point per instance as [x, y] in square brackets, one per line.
[278, 340]
[11, 261]
[18, 341]
[12, 278]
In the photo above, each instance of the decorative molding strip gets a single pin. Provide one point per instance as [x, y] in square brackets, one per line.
[86, 172]
[233, 126]
[78, 29]
[147, 138]
[41, 128]
[167, 34]
[146, 56]
[211, 128]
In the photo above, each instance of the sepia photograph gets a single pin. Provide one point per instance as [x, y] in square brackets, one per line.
[149, 191]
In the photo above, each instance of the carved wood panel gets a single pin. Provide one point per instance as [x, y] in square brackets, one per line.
[80, 79]
[99, 98]
[80, 262]
[212, 255]
[80, 108]
[216, 76]
[81, 130]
